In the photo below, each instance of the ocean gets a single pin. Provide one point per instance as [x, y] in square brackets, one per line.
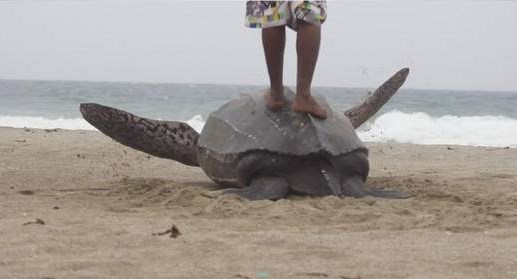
[475, 118]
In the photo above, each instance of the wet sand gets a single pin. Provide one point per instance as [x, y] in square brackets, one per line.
[75, 204]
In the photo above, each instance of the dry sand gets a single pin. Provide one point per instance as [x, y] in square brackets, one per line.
[103, 204]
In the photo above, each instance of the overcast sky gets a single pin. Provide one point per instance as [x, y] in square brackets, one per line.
[448, 44]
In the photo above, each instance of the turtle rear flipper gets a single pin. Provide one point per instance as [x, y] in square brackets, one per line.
[355, 187]
[263, 188]
[387, 194]
[166, 139]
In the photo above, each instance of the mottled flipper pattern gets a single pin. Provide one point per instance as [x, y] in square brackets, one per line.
[166, 139]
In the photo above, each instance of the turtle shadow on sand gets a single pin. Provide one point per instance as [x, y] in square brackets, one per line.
[260, 154]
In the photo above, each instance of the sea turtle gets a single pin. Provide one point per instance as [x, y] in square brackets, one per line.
[260, 154]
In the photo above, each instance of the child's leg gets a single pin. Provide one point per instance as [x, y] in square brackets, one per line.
[273, 40]
[307, 47]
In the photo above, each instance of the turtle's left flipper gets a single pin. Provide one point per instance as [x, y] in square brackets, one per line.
[263, 188]
[166, 139]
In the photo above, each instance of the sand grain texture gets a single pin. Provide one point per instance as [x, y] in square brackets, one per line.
[103, 207]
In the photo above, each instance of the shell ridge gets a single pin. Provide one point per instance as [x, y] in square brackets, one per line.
[246, 125]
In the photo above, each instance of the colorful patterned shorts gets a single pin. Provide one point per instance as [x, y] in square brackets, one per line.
[264, 14]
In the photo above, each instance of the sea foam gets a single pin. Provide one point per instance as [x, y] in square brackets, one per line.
[420, 128]
[393, 126]
[45, 123]
[195, 122]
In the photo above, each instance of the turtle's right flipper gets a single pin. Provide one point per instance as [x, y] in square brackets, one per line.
[263, 188]
[166, 139]
[374, 102]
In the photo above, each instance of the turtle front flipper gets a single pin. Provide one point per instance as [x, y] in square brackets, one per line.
[374, 102]
[166, 139]
[263, 187]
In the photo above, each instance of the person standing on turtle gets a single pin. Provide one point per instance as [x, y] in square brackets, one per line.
[304, 17]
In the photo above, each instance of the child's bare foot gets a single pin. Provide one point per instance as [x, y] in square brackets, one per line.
[275, 100]
[307, 104]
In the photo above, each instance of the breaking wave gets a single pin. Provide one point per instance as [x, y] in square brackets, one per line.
[420, 128]
[195, 122]
[44, 123]
[394, 126]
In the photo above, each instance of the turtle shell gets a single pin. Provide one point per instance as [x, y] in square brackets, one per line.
[246, 125]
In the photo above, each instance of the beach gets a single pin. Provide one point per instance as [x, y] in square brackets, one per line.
[76, 204]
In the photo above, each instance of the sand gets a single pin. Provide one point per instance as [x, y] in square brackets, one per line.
[75, 204]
